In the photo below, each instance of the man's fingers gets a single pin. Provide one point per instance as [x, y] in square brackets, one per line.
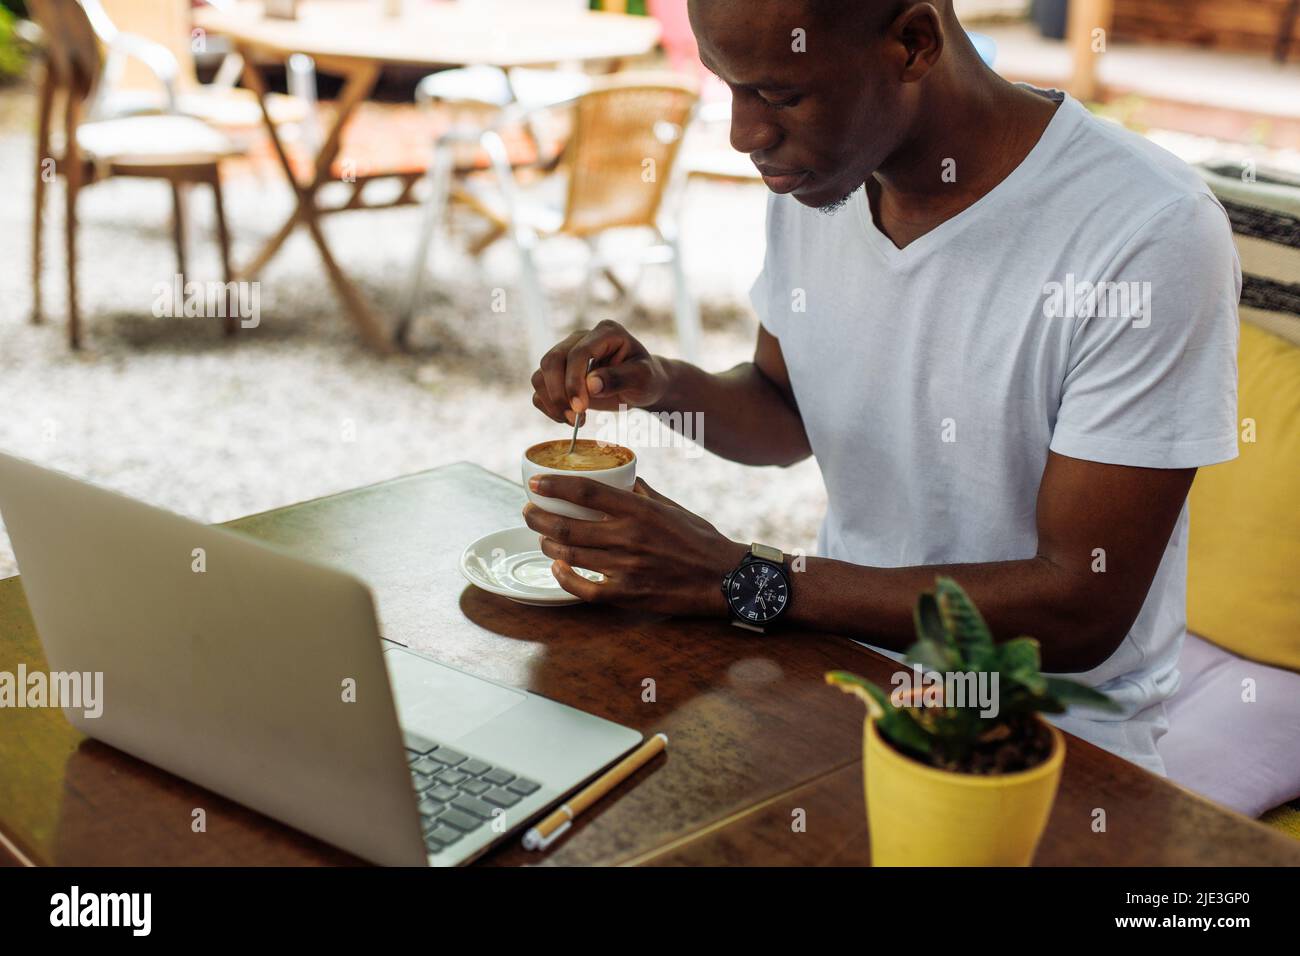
[588, 493]
[606, 344]
[547, 408]
[612, 379]
[544, 407]
[552, 369]
[575, 531]
[573, 582]
[593, 559]
[561, 385]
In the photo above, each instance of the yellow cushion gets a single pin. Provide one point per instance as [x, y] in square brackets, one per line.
[1243, 589]
[1285, 818]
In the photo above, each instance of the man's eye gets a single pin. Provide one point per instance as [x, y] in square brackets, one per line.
[784, 104]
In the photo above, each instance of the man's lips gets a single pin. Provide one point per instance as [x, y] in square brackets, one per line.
[782, 180]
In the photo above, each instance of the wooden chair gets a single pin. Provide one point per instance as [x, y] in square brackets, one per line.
[1285, 31]
[179, 149]
[615, 172]
[150, 45]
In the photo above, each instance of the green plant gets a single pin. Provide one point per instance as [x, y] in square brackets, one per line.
[952, 639]
[635, 7]
[13, 57]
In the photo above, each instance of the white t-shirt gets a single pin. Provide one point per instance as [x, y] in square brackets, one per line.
[932, 380]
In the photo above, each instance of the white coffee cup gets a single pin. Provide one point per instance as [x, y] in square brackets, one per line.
[620, 476]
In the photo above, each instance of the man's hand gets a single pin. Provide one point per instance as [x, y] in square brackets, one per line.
[655, 555]
[750, 409]
[625, 374]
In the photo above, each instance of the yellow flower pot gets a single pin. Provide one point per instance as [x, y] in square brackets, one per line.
[920, 816]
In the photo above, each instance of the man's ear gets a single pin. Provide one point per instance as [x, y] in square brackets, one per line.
[918, 34]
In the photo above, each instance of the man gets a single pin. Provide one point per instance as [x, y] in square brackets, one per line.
[1009, 347]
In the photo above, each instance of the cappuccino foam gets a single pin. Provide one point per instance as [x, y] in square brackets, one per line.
[588, 455]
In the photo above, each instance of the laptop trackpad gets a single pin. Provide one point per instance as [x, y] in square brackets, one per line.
[441, 702]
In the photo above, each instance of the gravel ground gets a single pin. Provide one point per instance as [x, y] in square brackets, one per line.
[170, 412]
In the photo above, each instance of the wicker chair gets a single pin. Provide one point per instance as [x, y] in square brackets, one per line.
[616, 171]
[476, 98]
[179, 149]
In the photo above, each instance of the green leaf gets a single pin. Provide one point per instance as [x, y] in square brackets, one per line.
[875, 698]
[969, 631]
[933, 656]
[901, 728]
[1019, 663]
[1070, 693]
[1020, 653]
[898, 724]
[1019, 699]
[929, 623]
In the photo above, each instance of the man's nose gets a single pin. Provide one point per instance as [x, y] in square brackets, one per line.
[751, 132]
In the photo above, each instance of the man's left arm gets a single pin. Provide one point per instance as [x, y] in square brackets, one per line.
[1102, 531]
[657, 556]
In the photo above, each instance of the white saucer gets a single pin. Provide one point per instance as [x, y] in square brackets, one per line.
[509, 563]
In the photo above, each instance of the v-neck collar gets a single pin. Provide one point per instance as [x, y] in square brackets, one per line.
[1057, 131]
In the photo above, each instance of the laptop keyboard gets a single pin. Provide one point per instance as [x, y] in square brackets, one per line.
[458, 793]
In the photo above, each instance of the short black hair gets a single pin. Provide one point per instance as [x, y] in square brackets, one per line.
[855, 14]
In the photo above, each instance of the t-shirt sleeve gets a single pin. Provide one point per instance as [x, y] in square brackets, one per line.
[1155, 385]
[766, 305]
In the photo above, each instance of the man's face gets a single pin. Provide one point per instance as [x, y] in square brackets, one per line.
[818, 117]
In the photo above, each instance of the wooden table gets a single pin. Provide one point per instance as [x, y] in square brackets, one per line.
[352, 38]
[755, 733]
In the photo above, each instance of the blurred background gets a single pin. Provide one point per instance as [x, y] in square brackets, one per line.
[469, 178]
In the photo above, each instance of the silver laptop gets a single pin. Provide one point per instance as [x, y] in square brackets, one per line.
[262, 676]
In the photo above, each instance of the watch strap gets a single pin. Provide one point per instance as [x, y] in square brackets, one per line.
[766, 552]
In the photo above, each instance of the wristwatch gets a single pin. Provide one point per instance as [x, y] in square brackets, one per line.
[758, 590]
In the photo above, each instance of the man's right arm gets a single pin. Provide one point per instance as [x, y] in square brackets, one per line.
[749, 412]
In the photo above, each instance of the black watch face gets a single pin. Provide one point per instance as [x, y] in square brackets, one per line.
[758, 591]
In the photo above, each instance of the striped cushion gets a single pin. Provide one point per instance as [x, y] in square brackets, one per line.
[1265, 218]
